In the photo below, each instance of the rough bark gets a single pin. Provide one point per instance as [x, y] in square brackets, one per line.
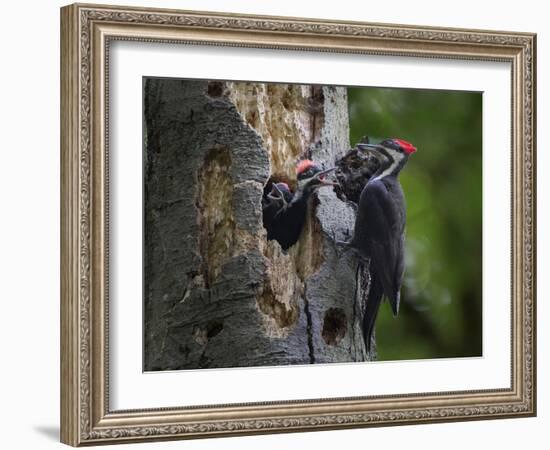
[217, 293]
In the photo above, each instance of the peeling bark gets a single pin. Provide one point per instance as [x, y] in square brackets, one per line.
[216, 292]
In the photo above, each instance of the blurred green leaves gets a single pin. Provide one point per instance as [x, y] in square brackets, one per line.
[441, 298]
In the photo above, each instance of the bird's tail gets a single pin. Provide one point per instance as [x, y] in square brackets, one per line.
[374, 299]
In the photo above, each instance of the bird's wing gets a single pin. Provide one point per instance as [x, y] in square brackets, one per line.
[383, 220]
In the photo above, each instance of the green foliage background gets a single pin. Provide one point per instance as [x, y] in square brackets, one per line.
[441, 310]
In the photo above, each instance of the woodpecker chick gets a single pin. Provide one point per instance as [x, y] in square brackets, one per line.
[379, 234]
[285, 226]
[280, 194]
[311, 177]
[274, 201]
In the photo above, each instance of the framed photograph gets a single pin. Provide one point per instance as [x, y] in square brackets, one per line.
[280, 224]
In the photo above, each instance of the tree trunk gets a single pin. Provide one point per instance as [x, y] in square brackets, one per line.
[217, 293]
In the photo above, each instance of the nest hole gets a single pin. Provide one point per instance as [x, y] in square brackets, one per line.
[335, 326]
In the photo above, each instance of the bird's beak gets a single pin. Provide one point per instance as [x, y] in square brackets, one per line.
[322, 175]
[374, 149]
[276, 194]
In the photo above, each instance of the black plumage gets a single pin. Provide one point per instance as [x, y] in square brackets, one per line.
[379, 235]
[284, 220]
[275, 199]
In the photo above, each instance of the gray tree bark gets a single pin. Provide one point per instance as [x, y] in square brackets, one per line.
[216, 292]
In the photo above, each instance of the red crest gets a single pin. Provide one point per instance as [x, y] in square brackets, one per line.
[406, 146]
[303, 165]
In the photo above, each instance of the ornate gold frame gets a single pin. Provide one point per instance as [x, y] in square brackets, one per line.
[86, 31]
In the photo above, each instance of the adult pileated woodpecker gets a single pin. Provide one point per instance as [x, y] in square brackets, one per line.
[379, 234]
[285, 225]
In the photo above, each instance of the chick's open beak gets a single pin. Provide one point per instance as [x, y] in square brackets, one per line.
[277, 195]
[321, 176]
